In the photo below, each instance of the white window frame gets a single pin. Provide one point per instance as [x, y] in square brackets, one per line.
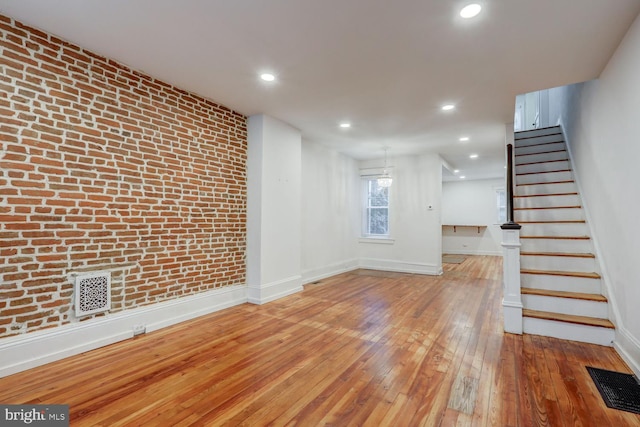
[365, 211]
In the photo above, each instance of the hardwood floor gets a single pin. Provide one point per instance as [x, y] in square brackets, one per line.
[363, 348]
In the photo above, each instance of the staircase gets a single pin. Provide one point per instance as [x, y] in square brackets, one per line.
[561, 288]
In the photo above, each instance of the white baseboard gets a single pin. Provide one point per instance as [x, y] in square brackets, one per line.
[272, 291]
[23, 352]
[311, 275]
[512, 313]
[471, 252]
[400, 266]
[628, 347]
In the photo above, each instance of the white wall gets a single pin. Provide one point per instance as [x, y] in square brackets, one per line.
[330, 212]
[555, 103]
[473, 203]
[602, 126]
[416, 233]
[274, 176]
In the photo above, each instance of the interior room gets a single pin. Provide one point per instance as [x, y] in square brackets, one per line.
[299, 213]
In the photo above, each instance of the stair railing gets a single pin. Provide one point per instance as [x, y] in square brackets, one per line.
[512, 299]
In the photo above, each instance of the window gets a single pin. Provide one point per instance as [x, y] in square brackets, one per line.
[376, 209]
[501, 197]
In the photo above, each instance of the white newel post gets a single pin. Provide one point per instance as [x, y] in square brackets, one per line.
[512, 300]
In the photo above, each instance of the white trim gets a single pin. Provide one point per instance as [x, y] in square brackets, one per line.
[262, 294]
[628, 347]
[26, 351]
[511, 295]
[471, 252]
[510, 245]
[400, 266]
[311, 275]
[378, 240]
[512, 304]
[368, 173]
[364, 193]
[512, 313]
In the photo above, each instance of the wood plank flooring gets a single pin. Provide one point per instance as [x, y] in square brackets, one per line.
[359, 349]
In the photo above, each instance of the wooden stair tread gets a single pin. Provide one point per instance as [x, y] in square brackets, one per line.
[568, 181]
[548, 207]
[561, 273]
[564, 254]
[541, 152]
[538, 145]
[536, 173]
[537, 129]
[564, 294]
[581, 320]
[545, 195]
[520, 132]
[539, 163]
[557, 237]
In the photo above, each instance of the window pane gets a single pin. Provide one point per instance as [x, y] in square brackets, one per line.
[378, 196]
[502, 198]
[502, 206]
[378, 220]
[502, 215]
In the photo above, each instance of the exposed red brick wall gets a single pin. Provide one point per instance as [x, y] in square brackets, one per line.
[102, 167]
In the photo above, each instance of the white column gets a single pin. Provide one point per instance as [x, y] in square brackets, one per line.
[274, 171]
[512, 300]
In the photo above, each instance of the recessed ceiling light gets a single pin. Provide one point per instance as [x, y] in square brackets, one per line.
[345, 125]
[464, 138]
[448, 107]
[462, 177]
[470, 10]
[456, 170]
[267, 77]
[473, 156]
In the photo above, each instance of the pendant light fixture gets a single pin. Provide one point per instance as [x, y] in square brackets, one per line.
[385, 180]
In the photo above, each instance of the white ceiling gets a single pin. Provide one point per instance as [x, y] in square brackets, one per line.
[385, 66]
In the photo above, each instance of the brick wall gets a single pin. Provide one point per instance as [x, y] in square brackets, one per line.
[105, 168]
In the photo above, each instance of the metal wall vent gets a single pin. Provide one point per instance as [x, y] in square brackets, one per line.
[93, 293]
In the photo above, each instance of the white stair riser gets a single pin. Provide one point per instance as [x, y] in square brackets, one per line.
[556, 245]
[558, 214]
[575, 307]
[555, 229]
[543, 167]
[561, 283]
[547, 201]
[542, 157]
[528, 142]
[544, 177]
[568, 331]
[534, 149]
[536, 132]
[565, 187]
[558, 263]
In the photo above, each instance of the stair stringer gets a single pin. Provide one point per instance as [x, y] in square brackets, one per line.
[614, 313]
